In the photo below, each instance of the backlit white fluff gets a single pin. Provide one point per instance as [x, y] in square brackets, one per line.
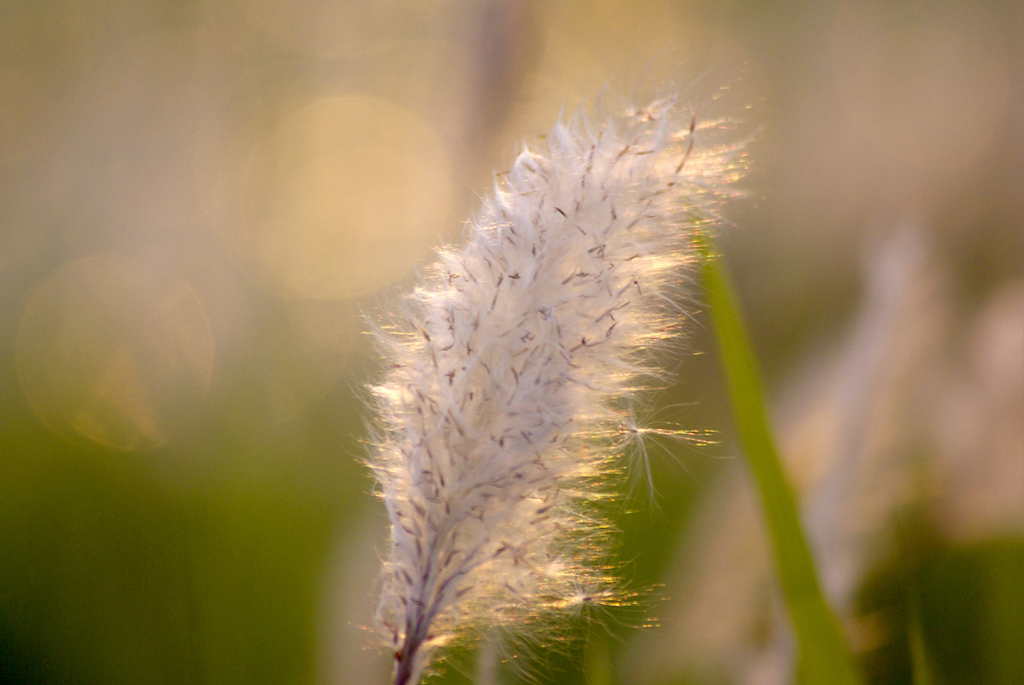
[511, 368]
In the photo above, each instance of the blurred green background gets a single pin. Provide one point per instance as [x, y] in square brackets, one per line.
[201, 199]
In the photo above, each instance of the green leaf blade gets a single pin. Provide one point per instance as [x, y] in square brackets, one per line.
[824, 658]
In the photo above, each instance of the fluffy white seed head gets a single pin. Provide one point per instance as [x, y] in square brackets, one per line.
[510, 369]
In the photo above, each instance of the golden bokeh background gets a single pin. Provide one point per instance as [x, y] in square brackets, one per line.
[202, 201]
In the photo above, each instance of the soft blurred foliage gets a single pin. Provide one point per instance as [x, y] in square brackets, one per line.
[201, 199]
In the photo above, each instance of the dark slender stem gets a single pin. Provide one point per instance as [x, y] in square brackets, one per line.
[405, 657]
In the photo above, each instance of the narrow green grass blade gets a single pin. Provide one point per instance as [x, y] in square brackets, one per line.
[918, 645]
[824, 658]
[597, 663]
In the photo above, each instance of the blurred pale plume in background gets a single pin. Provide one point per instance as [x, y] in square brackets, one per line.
[200, 200]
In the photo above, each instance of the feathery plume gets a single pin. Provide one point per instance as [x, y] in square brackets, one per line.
[511, 368]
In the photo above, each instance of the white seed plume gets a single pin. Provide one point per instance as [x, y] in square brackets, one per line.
[511, 369]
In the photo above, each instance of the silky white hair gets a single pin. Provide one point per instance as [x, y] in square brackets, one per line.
[511, 368]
